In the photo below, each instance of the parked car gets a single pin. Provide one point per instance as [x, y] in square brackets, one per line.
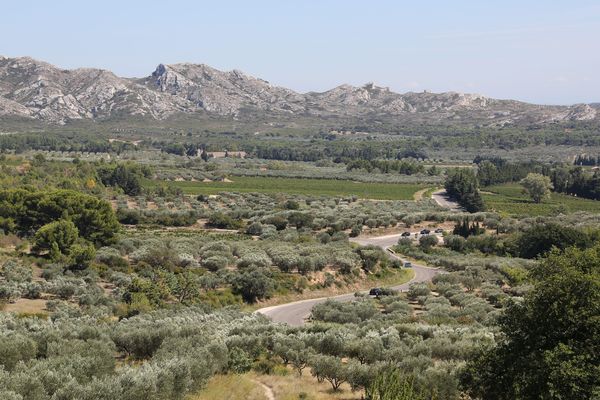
[425, 232]
[405, 234]
[375, 292]
[407, 264]
[439, 230]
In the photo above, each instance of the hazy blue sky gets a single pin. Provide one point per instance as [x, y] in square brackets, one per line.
[540, 51]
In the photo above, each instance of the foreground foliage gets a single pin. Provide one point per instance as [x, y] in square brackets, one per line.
[548, 348]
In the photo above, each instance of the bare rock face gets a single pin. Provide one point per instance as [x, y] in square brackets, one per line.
[581, 112]
[224, 93]
[38, 90]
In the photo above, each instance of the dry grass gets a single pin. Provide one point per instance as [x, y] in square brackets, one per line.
[9, 241]
[294, 387]
[423, 193]
[283, 387]
[27, 306]
[231, 387]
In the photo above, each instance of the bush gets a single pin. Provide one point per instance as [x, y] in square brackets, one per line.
[278, 221]
[539, 239]
[255, 229]
[291, 205]
[239, 361]
[81, 254]
[223, 221]
[252, 285]
[417, 290]
[58, 235]
[13, 271]
[370, 256]
[455, 243]
[356, 231]
[15, 348]
[426, 242]
[215, 263]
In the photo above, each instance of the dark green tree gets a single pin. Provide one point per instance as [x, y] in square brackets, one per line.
[539, 239]
[426, 242]
[93, 217]
[57, 236]
[549, 346]
[252, 285]
[462, 185]
[81, 255]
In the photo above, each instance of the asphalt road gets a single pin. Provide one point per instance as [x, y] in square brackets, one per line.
[441, 197]
[295, 313]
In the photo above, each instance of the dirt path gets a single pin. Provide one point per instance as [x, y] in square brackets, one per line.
[419, 194]
[268, 391]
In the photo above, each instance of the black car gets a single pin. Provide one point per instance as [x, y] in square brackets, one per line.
[425, 232]
[405, 234]
[439, 230]
[375, 292]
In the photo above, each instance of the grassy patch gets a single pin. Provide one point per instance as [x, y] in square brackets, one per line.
[231, 387]
[288, 386]
[293, 387]
[28, 307]
[427, 194]
[309, 187]
[510, 199]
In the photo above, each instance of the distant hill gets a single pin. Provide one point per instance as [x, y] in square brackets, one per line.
[37, 90]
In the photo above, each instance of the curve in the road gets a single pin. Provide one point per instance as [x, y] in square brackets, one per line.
[442, 198]
[295, 313]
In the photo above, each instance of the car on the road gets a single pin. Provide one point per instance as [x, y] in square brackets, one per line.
[407, 264]
[439, 230]
[405, 234]
[425, 232]
[375, 292]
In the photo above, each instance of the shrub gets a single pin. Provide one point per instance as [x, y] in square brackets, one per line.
[15, 348]
[81, 254]
[215, 263]
[278, 221]
[13, 271]
[455, 243]
[255, 229]
[426, 242]
[223, 221]
[59, 235]
[356, 230]
[418, 289]
[252, 285]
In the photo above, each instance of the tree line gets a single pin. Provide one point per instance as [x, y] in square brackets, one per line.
[462, 184]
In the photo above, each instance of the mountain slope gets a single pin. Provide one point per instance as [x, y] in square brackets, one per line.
[38, 90]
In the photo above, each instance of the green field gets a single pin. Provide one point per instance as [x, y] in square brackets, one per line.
[510, 199]
[309, 187]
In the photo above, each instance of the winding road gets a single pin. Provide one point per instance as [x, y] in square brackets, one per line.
[295, 313]
[441, 197]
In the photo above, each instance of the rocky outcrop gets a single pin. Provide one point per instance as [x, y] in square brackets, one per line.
[35, 89]
[224, 93]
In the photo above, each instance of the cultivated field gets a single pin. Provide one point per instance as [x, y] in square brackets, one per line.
[510, 199]
[315, 187]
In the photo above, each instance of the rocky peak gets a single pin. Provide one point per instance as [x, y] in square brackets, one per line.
[167, 79]
[35, 89]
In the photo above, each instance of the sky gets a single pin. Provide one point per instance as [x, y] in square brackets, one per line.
[545, 52]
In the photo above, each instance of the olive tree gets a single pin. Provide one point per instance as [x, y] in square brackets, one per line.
[537, 186]
[330, 369]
